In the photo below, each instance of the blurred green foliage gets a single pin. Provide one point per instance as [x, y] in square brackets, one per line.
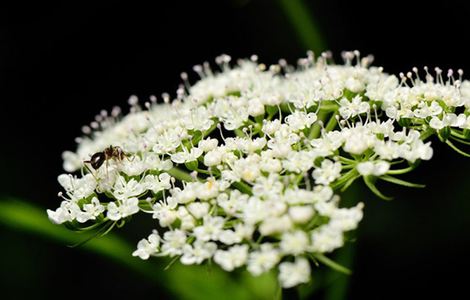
[184, 282]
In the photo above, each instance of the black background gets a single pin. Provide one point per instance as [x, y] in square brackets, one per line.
[60, 64]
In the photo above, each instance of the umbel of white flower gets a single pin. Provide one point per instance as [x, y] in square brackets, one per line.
[245, 167]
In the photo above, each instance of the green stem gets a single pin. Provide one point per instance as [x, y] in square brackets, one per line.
[426, 134]
[306, 29]
[401, 182]
[316, 128]
[457, 139]
[332, 122]
[457, 149]
[337, 284]
[401, 171]
[373, 188]
[344, 179]
[243, 187]
[180, 174]
[332, 264]
[455, 133]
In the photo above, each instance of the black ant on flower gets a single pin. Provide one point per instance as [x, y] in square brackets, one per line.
[111, 152]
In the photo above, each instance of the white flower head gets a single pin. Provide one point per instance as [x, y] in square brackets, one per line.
[245, 166]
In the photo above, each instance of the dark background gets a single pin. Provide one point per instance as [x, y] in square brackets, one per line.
[60, 64]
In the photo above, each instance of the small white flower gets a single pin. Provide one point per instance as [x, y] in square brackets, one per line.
[77, 188]
[346, 219]
[72, 161]
[199, 209]
[133, 168]
[208, 190]
[300, 120]
[326, 239]
[208, 144]
[264, 260]
[270, 127]
[186, 195]
[256, 108]
[292, 274]
[65, 213]
[273, 225]
[353, 108]
[173, 242]
[165, 212]
[436, 123]
[294, 243]
[90, 211]
[301, 196]
[232, 258]
[327, 173]
[376, 168]
[357, 140]
[185, 156]
[301, 214]
[234, 203]
[210, 229]
[198, 252]
[268, 187]
[157, 183]
[153, 162]
[127, 189]
[124, 209]
[299, 161]
[229, 237]
[147, 247]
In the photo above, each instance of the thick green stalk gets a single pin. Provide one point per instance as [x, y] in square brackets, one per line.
[332, 122]
[306, 29]
[180, 174]
[316, 128]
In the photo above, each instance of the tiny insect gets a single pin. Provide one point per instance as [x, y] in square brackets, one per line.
[112, 152]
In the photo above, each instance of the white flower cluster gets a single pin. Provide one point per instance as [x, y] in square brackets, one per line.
[244, 167]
